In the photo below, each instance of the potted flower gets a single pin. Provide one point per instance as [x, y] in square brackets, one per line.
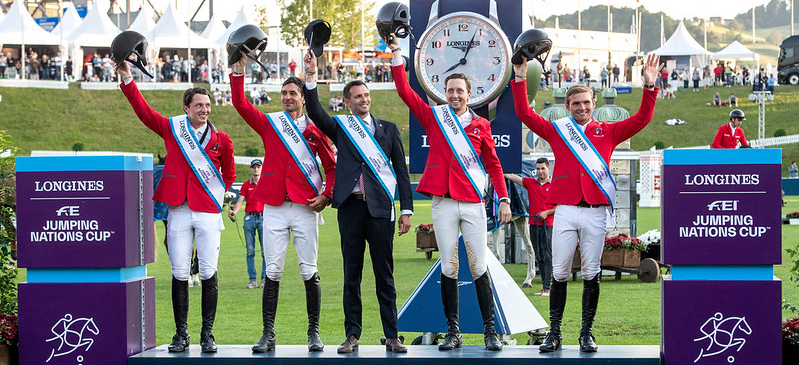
[790, 340]
[622, 250]
[425, 238]
[793, 218]
[8, 337]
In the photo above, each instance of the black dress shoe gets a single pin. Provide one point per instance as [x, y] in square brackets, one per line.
[394, 345]
[452, 341]
[588, 343]
[207, 344]
[266, 343]
[350, 345]
[492, 343]
[179, 343]
[552, 343]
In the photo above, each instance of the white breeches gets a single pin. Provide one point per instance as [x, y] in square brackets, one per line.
[573, 223]
[186, 228]
[280, 223]
[449, 216]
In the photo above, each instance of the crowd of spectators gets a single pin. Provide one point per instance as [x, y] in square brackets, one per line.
[44, 67]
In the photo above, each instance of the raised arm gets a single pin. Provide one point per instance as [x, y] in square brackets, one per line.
[152, 119]
[535, 122]
[418, 107]
[315, 110]
[634, 124]
[247, 111]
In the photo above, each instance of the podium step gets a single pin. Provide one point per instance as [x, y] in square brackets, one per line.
[372, 354]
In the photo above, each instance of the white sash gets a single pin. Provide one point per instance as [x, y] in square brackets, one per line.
[298, 147]
[198, 160]
[461, 147]
[588, 156]
[371, 152]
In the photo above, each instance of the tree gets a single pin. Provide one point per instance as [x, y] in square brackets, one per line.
[344, 17]
[775, 37]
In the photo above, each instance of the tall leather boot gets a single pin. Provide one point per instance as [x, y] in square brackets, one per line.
[209, 300]
[590, 301]
[268, 310]
[557, 302]
[449, 297]
[485, 298]
[313, 302]
[180, 309]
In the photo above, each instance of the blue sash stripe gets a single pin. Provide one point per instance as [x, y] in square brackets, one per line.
[588, 170]
[194, 138]
[363, 155]
[454, 152]
[304, 143]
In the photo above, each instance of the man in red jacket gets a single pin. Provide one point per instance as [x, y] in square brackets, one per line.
[291, 186]
[731, 135]
[199, 171]
[455, 179]
[583, 189]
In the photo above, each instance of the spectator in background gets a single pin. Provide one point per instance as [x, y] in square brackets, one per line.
[616, 73]
[603, 75]
[58, 62]
[68, 69]
[44, 67]
[226, 100]
[293, 68]
[3, 65]
[717, 100]
[685, 78]
[707, 77]
[717, 73]
[696, 77]
[97, 65]
[253, 223]
[728, 74]
[217, 96]
[108, 68]
[255, 96]
[793, 170]
[733, 100]
[265, 99]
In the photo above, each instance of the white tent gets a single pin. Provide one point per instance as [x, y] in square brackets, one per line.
[18, 27]
[69, 22]
[2, 16]
[735, 51]
[144, 22]
[214, 29]
[97, 29]
[681, 43]
[241, 19]
[171, 32]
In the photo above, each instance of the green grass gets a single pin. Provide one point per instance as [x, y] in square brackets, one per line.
[629, 310]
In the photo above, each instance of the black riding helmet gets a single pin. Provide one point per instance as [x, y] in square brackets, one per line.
[394, 17]
[317, 34]
[248, 38]
[130, 43]
[532, 43]
[737, 113]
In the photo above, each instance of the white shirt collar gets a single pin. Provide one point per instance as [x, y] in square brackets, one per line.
[302, 123]
[465, 118]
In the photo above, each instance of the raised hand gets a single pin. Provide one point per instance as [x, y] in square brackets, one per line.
[651, 69]
[309, 61]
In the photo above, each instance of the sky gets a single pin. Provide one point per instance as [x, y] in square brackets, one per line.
[678, 9]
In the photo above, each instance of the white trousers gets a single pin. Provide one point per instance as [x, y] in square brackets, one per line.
[450, 215]
[573, 223]
[280, 223]
[186, 228]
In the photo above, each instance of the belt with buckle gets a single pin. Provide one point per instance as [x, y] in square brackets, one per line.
[585, 204]
[257, 214]
[358, 196]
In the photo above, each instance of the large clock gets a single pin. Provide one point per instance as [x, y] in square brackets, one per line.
[468, 43]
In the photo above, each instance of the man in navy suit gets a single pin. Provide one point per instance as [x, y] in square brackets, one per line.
[369, 166]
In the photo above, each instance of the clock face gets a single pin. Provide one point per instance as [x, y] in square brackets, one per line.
[467, 43]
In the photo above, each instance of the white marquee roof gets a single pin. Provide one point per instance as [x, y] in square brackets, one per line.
[18, 26]
[69, 22]
[681, 43]
[241, 19]
[144, 23]
[735, 50]
[214, 29]
[97, 29]
[171, 32]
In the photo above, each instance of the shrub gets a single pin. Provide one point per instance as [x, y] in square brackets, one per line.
[660, 145]
[780, 133]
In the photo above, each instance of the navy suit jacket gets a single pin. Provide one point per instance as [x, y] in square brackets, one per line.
[350, 164]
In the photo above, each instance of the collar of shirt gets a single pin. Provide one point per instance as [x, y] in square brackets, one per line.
[199, 133]
[732, 128]
[369, 125]
[302, 123]
[466, 118]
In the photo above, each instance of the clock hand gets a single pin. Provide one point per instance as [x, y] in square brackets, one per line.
[462, 61]
[468, 48]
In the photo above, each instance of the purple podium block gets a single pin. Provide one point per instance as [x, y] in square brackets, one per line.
[721, 322]
[85, 323]
[69, 207]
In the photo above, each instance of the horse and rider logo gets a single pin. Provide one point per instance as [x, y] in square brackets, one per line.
[722, 334]
[73, 333]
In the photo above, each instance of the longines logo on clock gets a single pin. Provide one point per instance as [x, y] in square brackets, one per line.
[463, 45]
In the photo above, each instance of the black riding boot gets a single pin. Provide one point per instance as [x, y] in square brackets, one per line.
[485, 298]
[268, 310]
[557, 302]
[313, 302]
[590, 301]
[449, 297]
[180, 309]
[209, 299]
